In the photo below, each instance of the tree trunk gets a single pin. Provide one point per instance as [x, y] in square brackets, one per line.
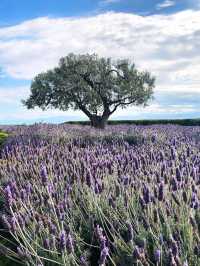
[99, 121]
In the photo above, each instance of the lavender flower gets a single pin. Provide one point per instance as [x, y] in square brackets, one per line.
[44, 175]
[46, 243]
[146, 194]
[23, 253]
[178, 174]
[8, 194]
[111, 202]
[147, 183]
[70, 243]
[13, 224]
[161, 192]
[103, 256]
[157, 255]
[6, 222]
[129, 232]
[136, 253]
[83, 261]
[89, 179]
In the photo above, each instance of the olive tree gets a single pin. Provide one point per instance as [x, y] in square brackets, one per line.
[95, 85]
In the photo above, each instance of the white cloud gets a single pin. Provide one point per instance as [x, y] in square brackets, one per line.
[156, 110]
[167, 45]
[108, 2]
[12, 95]
[165, 4]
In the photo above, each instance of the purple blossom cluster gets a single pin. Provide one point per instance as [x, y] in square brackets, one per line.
[126, 196]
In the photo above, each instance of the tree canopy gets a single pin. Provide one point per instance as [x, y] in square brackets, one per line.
[95, 85]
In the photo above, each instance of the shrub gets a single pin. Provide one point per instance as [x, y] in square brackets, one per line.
[3, 137]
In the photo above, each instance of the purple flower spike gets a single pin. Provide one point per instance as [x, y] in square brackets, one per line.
[46, 243]
[23, 194]
[174, 184]
[146, 194]
[157, 255]
[8, 194]
[6, 222]
[173, 153]
[125, 180]
[136, 253]
[63, 241]
[103, 241]
[52, 228]
[70, 243]
[99, 231]
[21, 220]
[178, 174]
[129, 232]
[20, 252]
[13, 224]
[174, 248]
[103, 256]
[52, 242]
[23, 253]
[111, 202]
[83, 261]
[96, 189]
[89, 179]
[29, 188]
[161, 192]
[44, 175]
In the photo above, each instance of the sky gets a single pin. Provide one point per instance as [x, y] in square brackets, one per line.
[161, 36]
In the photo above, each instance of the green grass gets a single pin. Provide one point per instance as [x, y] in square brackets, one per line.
[3, 137]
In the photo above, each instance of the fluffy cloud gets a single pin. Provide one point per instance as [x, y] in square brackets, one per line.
[167, 45]
[12, 95]
[165, 4]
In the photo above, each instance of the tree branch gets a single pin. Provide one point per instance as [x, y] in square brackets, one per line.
[121, 103]
[114, 70]
[81, 106]
[92, 85]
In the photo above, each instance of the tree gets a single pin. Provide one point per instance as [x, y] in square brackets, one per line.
[96, 86]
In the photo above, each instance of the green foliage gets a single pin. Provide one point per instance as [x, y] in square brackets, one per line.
[5, 261]
[131, 139]
[96, 86]
[182, 122]
[3, 137]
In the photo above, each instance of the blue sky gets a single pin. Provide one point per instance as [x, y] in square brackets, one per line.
[162, 36]
[13, 11]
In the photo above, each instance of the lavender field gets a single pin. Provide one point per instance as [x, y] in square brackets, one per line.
[128, 195]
